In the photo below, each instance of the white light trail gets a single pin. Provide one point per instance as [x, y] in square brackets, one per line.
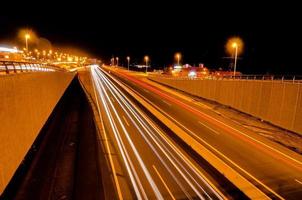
[149, 130]
[162, 146]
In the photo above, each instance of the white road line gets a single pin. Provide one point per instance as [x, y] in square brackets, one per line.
[166, 103]
[300, 182]
[162, 180]
[242, 133]
[146, 90]
[211, 147]
[126, 120]
[164, 151]
[208, 128]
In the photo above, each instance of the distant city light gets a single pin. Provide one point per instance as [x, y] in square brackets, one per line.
[192, 74]
[9, 50]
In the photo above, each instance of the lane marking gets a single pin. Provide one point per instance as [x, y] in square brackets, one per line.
[164, 183]
[143, 84]
[138, 95]
[211, 147]
[126, 120]
[167, 103]
[126, 102]
[146, 90]
[300, 182]
[209, 128]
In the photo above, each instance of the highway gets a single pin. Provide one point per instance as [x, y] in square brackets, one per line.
[273, 169]
[155, 165]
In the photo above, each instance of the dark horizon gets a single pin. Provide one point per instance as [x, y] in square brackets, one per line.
[271, 39]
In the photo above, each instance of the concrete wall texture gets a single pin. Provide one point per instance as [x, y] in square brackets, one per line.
[26, 101]
[277, 102]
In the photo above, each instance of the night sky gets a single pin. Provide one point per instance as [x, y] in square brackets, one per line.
[271, 33]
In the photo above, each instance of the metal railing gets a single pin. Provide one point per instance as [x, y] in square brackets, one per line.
[9, 67]
[293, 78]
[281, 78]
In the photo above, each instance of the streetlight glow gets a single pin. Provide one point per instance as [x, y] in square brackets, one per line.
[178, 56]
[146, 59]
[27, 36]
[234, 47]
[128, 59]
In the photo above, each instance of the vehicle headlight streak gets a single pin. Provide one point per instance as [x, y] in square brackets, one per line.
[159, 138]
[159, 142]
[121, 147]
[154, 135]
[146, 172]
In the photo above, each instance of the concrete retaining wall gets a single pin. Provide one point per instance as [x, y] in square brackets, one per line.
[26, 101]
[277, 102]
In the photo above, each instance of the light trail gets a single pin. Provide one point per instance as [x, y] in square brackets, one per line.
[162, 143]
[129, 166]
[194, 135]
[164, 151]
[219, 123]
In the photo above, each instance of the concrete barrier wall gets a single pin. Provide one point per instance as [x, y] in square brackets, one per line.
[26, 101]
[277, 102]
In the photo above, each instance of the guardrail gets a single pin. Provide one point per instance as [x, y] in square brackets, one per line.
[8, 67]
[293, 78]
[281, 78]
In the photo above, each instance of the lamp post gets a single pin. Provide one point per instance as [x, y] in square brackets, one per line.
[146, 59]
[128, 59]
[27, 36]
[117, 61]
[235, 46]
[178, 58]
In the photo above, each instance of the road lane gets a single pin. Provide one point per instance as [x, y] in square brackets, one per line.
[266, 165]
[143, 147]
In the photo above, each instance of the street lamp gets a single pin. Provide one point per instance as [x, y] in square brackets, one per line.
[146, 59]
[178, 57]
[27, 36]
[235, 46]
[117, 61]
[128, 59]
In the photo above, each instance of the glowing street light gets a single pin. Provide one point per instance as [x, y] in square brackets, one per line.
[27, 36]
[178, 56]
[234, 47]
[117, 61]
[128, 59]
[146, 59]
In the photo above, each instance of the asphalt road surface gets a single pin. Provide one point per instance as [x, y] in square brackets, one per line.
[275, 170]
[155, 165]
